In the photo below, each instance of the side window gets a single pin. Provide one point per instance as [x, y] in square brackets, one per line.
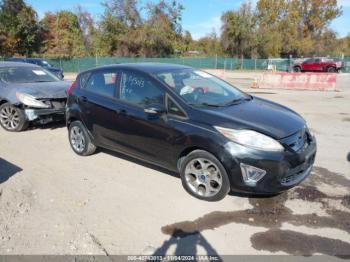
[102, 83]
[84, 78]
[174, 109]
[139, 90]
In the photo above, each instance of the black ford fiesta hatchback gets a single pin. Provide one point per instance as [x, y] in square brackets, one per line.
[186, 120]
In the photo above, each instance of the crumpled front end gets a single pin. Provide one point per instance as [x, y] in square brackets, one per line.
[54, 112]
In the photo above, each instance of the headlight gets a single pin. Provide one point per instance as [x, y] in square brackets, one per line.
[251, 139]
[29, 100]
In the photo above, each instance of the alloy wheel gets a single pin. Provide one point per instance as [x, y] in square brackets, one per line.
[203, 177]
[9, 117]
[77, 139]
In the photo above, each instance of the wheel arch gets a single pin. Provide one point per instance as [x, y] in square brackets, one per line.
[210, 148]
[71, 119]
[187, 151]
[3, 101]
[73, 114]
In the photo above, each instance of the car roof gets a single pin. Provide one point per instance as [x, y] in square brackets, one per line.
[16, 64]
[36, 59]
[16, 59]
[25, 59]
[146, 67]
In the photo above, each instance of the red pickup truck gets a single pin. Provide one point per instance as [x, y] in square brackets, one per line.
[318, 64]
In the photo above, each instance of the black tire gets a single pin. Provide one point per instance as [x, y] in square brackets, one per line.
[87, 147]
[297, 69]
[200, 154]
[20, 123]
[331, 69]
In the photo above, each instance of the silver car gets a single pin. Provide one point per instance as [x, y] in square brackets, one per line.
[29, 93]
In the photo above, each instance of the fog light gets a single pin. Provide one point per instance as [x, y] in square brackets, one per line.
[30, 113]
[251, 175]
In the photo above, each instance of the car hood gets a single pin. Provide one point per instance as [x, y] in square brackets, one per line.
[260, 115]
[43, 90]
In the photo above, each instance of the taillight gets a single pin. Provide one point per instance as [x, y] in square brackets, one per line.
[70, 90]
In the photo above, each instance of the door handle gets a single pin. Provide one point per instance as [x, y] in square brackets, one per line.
[122, 112]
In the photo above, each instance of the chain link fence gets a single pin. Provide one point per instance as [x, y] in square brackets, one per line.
[80, 64]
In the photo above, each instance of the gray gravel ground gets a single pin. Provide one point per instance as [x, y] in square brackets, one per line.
[55, 202]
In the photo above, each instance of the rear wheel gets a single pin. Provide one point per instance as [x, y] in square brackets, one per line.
[331, 69]
[12, 118]
[204, 177]
[80, 140]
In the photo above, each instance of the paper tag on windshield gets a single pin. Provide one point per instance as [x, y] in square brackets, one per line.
[203, 74]
[39, 72]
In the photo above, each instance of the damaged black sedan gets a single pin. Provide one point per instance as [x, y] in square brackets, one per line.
[29, 93]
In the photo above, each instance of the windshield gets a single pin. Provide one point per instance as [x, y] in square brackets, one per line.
[200, 88]
[26, 75]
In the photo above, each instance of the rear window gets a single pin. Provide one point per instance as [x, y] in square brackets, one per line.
[102, 83]
[84, 78]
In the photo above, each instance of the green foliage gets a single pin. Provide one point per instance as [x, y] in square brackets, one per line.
[208, 45]
[124, 33]
[238, 31]
[281, 28]
[19, 28]
[62, 36]
[135, 28]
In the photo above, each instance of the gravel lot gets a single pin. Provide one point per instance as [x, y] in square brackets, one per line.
[55, 202]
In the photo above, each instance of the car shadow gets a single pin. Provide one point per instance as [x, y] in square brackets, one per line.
[51, 125]
[139, 162]
[7, 170]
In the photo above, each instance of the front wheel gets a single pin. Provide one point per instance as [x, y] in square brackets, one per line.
[204, 177]
[80, 140]
[297, 69]
[12, 118]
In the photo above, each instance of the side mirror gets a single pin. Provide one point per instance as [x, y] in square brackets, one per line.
[155, 109]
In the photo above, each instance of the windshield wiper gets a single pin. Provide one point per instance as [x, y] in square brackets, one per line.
[210, 105]
[234, 102]
[205, 104]
[238, 100]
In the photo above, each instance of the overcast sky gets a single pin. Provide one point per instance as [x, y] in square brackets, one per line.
[200, 17]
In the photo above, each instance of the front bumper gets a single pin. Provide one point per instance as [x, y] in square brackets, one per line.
[284, 170]
[44, 115]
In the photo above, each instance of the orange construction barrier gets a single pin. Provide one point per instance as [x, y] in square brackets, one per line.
[255, 84]
[299, 81]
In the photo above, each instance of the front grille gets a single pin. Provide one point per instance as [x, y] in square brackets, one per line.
[58, 103]
[293, 179]
[298, 141]
[298, 173]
